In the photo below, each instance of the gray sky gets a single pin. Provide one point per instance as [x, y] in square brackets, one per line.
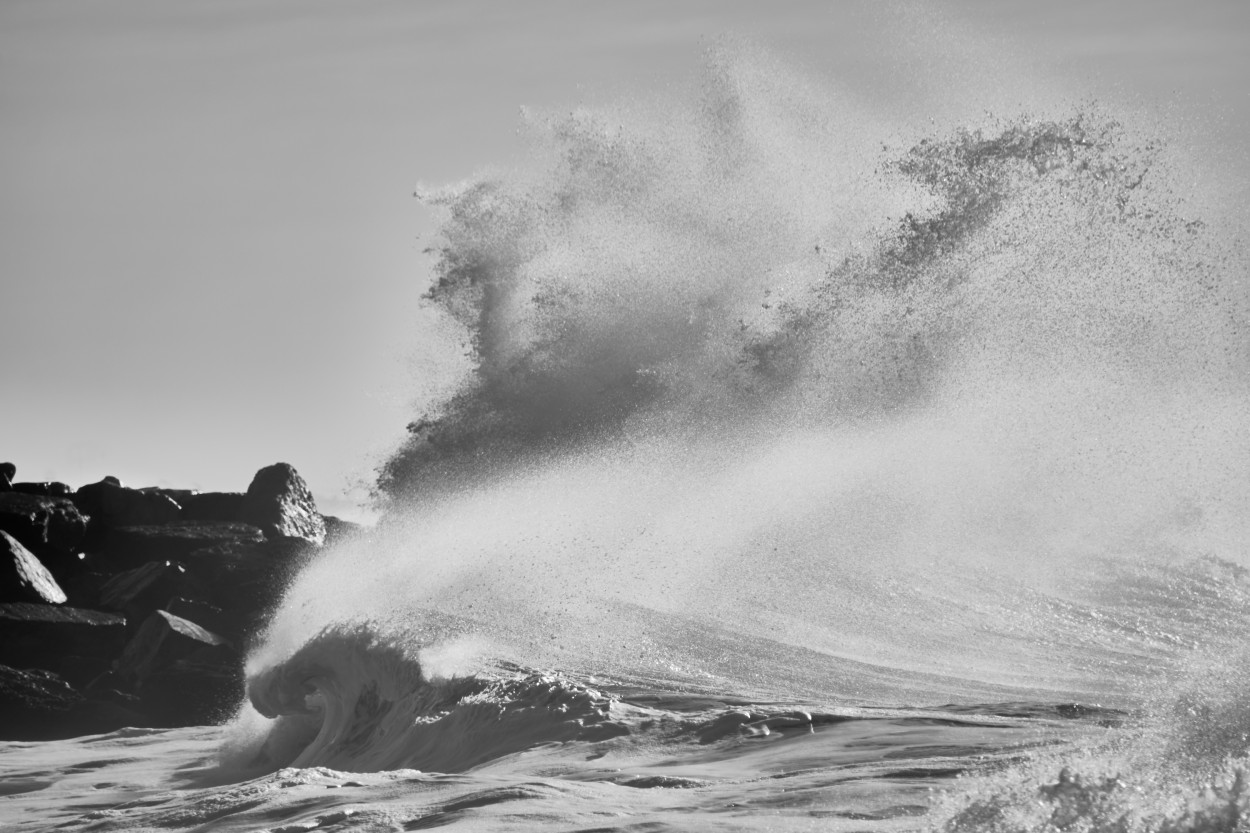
[210, 257]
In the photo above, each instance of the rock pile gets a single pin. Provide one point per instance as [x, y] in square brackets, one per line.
[135, 607]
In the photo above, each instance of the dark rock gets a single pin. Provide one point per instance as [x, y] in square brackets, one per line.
[143, 590]
[39, 705]
[7, 472]
[83, 588]
[249, 579]
[79, 671]
[111, 505]
[213, 506]
[23, 578]
[34, 636]
[49, 489]
[230, 624]
[36, 690]
[132, 546]
[339, 531]
[279, 502]
[162, 640]
[176, 495]
[47, 526]
[203, 687]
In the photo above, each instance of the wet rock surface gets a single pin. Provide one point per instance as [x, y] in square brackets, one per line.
[135, 607]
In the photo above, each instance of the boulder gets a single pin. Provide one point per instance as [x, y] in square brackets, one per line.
[230, 624]
[279, 502]
[339, 531]
[139, 592]
[111, 505]
[128, 547]
[249, 579]
[79, 671]
[204, 687]
[48, 489]
[162, 640]
[39, 705]
[35, 636]
[47, 526]
[23, 578]
[213, 506]
[7, 472]
[83, 588]
[176, 495]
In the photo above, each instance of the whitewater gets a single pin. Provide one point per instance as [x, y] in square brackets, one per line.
[802, 471]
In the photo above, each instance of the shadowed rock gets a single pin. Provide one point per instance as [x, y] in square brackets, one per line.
[228, 623]
[252, 575]
[143, 590]
[35, 636]
[129, 547]
[339, 531]
[162, 640]
[39, 705]
[48, 489]
[206, 686]
[47, 526]
[110, 504]
[279, 502]
[23, 578]
[213, 506]
[7, 472]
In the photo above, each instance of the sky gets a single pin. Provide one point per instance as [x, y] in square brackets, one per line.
[210, 254]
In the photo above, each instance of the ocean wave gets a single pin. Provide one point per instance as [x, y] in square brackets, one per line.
[363, 703]
[760, 409]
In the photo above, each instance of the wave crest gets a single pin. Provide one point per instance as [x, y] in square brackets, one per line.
[353, 700]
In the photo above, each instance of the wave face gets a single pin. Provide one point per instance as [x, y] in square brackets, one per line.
[763, 408]
[371, 708]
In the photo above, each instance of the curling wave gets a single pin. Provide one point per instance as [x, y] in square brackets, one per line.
[351, 700]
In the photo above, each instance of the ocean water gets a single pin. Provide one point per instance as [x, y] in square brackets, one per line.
[806, 472]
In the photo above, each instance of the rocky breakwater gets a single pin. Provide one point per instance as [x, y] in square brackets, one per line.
[135, 607]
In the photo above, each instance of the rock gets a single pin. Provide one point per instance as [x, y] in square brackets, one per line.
[7, 472]
[47, 526]
[111, 505]
[279, 502]
[162, 640]
[83, 588]
[249, 579]
[176, 495]
[34, 636]
[49, 489]
[230, 624]
[23, 578]
[132, 546]
[39, 705]
[213, 506]
[143, 590]
[204, 687]
[79, 671]
[339, 531]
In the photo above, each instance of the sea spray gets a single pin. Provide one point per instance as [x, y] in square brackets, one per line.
[762, 409]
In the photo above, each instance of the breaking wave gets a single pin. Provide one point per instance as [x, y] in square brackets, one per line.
[763, 407]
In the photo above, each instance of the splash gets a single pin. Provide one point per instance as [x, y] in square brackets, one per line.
[759, 406]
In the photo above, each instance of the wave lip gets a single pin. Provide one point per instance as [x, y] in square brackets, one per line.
[351, 700]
